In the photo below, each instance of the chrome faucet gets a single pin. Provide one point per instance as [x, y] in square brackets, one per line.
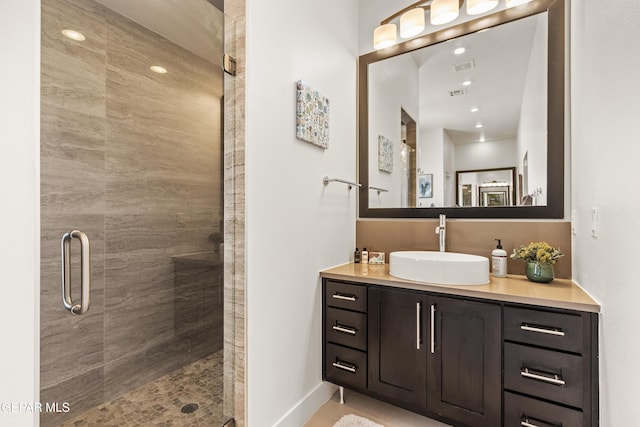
[441, 231]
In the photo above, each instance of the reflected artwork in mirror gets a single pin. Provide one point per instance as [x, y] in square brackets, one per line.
[485, 126]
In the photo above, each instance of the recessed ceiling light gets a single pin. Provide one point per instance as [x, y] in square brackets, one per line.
[479, 125]
[460, 50]
[481, 139]
[73, 35]
[466, 83]
[474, 109]
[158, 69]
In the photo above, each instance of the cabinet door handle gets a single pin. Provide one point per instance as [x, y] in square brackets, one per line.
[345, 366]
[344, 329]
[418, 328]
[433, 328]
[526, 423]
[542, 330]
[344, 297]
[555, 380]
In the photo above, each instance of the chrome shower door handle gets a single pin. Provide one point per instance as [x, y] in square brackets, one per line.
[85, 272]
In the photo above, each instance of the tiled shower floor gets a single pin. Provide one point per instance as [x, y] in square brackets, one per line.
[159, 403]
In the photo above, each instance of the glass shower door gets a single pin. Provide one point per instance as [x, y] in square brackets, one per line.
[131, 157]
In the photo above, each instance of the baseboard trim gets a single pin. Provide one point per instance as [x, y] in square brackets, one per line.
[307, 406]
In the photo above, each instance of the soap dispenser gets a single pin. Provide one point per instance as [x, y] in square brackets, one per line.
[499, 260]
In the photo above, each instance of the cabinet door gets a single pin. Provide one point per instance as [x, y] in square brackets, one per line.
[397, 347]
[464, 361]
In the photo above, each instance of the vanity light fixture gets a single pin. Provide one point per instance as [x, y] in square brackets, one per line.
[514, 3]
[444, 11]
[73, 35]
[412, 20]
[476, 7]
[459, 50]
[384, 36]
[158, 69]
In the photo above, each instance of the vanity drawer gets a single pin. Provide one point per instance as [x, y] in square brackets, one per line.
[346, 295]
[520, 411]
[544, 328]
[346, 327]
[548, 374]
[345, 366]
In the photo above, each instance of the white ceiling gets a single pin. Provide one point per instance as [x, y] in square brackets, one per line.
[192, 24]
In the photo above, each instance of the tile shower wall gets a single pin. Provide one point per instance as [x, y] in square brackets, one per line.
[133, 159]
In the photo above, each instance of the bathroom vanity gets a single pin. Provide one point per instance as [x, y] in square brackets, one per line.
[509, 353]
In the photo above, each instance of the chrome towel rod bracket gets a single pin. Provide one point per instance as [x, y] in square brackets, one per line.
[326, 180]
[378, 189]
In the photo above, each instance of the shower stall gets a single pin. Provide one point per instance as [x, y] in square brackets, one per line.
[131, 314]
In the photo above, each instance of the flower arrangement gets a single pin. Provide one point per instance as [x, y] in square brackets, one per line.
[537, 252]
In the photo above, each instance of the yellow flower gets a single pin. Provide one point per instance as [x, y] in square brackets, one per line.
[538, 252]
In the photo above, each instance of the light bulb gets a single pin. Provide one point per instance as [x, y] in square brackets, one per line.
[384, 36]
[476, 7]
[412, 22]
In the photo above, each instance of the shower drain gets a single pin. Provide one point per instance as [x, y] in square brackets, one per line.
[189, 408]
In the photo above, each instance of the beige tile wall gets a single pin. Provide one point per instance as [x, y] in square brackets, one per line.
[234, 214]
[474, 237]
[133, 159]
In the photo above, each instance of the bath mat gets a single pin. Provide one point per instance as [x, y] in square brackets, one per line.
[355, 421]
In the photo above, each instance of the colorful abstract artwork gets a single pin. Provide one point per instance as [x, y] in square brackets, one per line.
[385, 154]
[312, 115]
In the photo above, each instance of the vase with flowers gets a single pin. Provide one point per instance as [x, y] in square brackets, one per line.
[540, 258]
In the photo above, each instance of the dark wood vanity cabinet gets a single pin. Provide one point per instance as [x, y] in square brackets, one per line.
[550, 367]
[468, 362]
[398, 346]
[465, 361]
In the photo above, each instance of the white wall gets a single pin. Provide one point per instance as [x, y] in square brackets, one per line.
[295, 226]
[393, 87]
[429, 158]
[532, 129]
[605, 152]
[486, 155]
[19, 180]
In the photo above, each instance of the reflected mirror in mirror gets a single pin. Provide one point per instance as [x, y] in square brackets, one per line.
[451, 117]
[482, 109]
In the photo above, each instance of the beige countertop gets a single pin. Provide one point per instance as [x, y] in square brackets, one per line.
[560, 293]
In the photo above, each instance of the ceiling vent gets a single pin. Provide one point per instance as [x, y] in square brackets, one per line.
[458, 92]
[464, 66]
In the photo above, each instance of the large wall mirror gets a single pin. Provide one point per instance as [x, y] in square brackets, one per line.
[467, 121]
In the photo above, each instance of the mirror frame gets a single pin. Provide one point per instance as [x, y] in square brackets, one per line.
[555, 116]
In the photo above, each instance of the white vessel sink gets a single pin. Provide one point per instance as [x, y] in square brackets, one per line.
[444, 268]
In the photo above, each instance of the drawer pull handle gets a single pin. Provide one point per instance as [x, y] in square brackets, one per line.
[540, 330]
[555, 380]
[527, 422]
[344, 297]
[345, 366]
[344, 329]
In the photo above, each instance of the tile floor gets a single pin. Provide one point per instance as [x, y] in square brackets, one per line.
[375, 410]
[160, 402]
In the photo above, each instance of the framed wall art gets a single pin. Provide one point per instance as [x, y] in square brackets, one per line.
[312, 115]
